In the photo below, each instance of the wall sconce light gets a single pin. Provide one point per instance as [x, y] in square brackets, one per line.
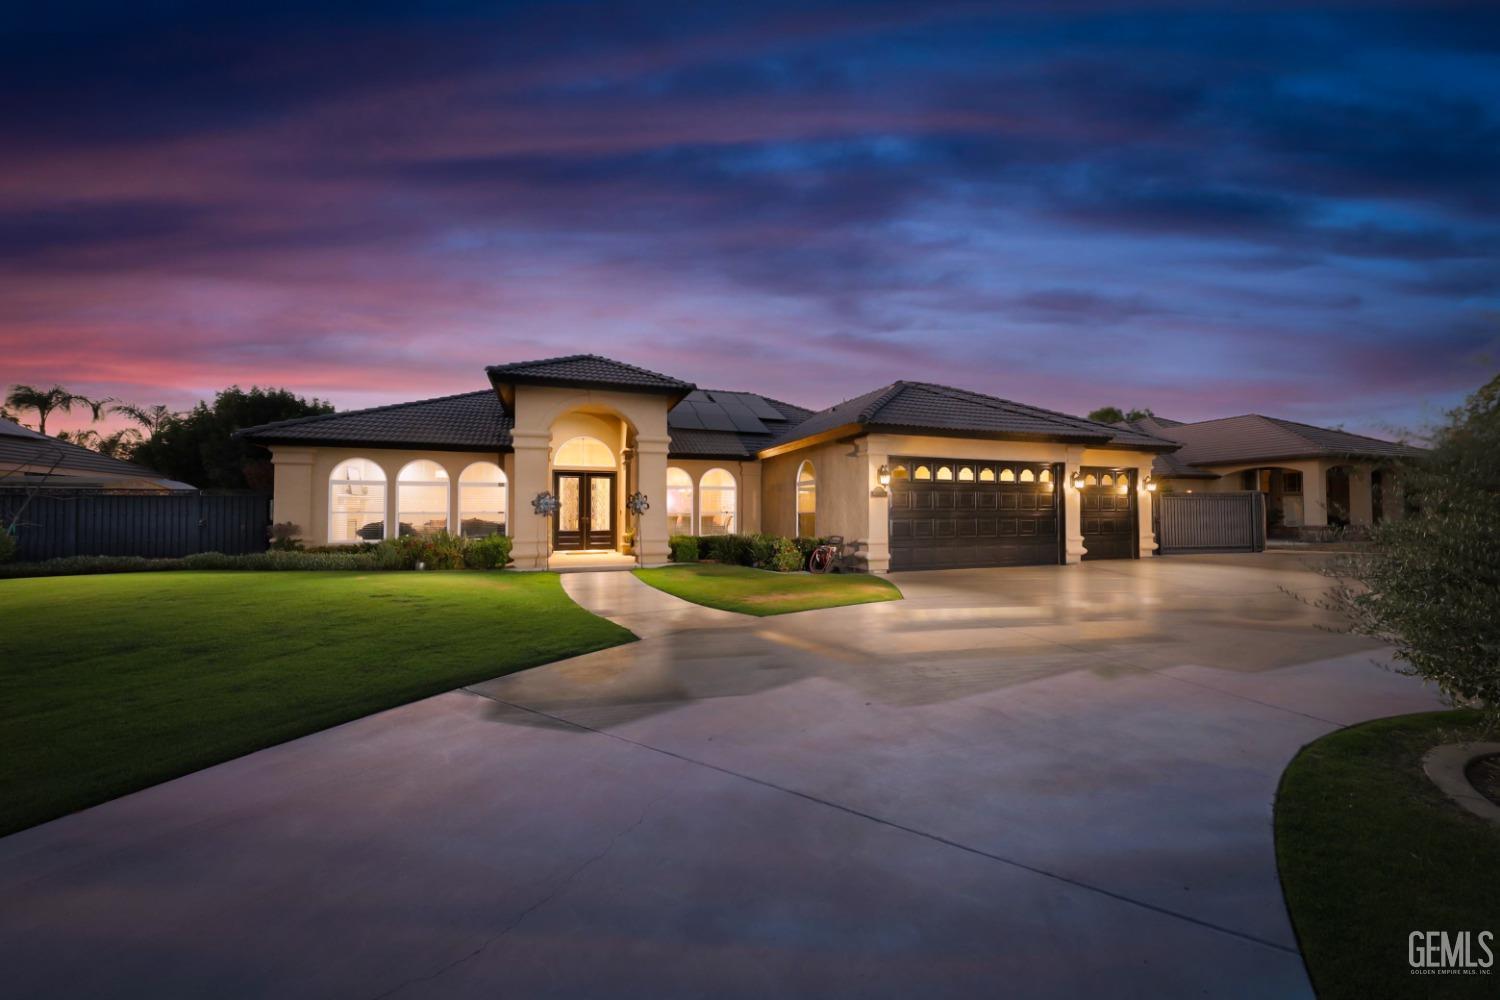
[1077, 481]
[1150, 485]
[884, 475]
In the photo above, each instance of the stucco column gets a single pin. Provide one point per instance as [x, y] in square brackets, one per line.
[1315, 496]
[294, 490]
[1361, 503]
[877, 547]
[651, 456]
[530, 532]
[1145, 509]
[1072, 508]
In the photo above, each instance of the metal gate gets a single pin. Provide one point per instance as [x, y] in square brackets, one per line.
[1210, 522]
[57, 523]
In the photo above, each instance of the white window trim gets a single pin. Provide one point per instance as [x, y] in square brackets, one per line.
[456, 515]
[797, 499]
[734, 484]
[328, 494]
[394, 510]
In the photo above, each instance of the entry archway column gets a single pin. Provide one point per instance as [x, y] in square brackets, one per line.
[1073, 547]
[529, 532]
[651, 465]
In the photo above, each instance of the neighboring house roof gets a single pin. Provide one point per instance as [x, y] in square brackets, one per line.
[469, 421]
[940, 409]
[717, 423]
[584, 371]
[1167, 464]
[32, 458]
[1254, 438]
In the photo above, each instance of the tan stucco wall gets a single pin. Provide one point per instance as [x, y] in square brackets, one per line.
[301, 485]
[1314, 500]
[841, 472]
[747, 488]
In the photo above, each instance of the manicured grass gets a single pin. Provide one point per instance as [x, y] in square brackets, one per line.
[1370, 851]
[762, 592]
[112, 683]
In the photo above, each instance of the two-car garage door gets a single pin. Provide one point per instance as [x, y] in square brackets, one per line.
[947, 514]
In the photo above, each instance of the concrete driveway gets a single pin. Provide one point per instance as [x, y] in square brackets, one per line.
[1029, 782]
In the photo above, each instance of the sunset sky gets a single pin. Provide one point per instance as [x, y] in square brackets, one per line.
[1207, 209]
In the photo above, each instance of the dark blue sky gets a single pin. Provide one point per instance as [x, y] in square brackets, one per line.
[1203, 208]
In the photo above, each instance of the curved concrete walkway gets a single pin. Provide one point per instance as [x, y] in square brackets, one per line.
[1039, 782]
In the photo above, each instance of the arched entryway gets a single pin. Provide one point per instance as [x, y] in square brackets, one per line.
[1286, 507]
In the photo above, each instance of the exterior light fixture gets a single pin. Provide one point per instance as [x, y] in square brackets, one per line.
[1150, 485]
[884, 475]
[1078, 481]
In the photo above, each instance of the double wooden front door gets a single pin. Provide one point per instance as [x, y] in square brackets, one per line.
[585, 516]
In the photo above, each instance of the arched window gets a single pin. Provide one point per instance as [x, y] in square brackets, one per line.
[807, 502]
[966, 474]
[1007, 475]
[481, 500]
[945, 474]
[679, 502]
[716, 503]
[1027, 476]
[356, 502]
[422, 498]
[584, 453]
[899, 472]
[1106, 480]
[986, 475]
[1089, 480]
[923, 472]
[1045, 477]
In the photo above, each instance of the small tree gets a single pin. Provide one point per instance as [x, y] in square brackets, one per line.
[1115, 415]
[1429, 584]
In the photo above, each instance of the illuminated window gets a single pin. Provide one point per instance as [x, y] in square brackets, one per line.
[1027, 476]
[422, 498]
[945, 474]
[356, 502]
[584, 453]
[1089, 480]
[481, 500]
[986, 475]
[966, 475]
[807, 501]
[923, 472]
[1106, 480]
[716, 497]
[1045, 477]
[679, 502]
[1007, 475]
[899, 472]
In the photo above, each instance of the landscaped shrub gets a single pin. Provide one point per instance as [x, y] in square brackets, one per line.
[284, 538]
[282, 561]
[761, 550]
[732, 550]
[684, 548]
[347, 548]
[439, 551]
[490, 552]
[7, 546]
[786, 557]
[81, 565]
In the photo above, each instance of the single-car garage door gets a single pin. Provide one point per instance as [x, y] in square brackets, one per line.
[948, 513]
[1110, 526]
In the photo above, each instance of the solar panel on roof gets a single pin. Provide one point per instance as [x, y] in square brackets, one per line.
[684, 416]
[760, 407]
[714, 417]
[744, 421]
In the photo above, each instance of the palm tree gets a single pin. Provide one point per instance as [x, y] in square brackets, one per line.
[119, 445]
[44, 401]
[153, 418]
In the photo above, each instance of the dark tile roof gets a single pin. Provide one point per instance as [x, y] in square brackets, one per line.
[586, 369]
[470, 421]
[924, 406]
[718, 423]
[20, 446]
[1253, 437]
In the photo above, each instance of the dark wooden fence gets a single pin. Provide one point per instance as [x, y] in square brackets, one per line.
[57, 523]
[1210, 522]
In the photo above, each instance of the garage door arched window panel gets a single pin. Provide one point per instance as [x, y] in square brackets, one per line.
[356, 502]
[1089, 480]
[1007, 475]
[923, 473]
[584, 453]
[899, 472]
[807, 501]
[422, 498]
[966, 474]
[482, 500]
[679, 502]
[716, 501]
[1027, 476]
[986, 475]
[945, 474]
[1045, 477]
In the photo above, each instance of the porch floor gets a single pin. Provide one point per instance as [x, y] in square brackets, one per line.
[564, 562]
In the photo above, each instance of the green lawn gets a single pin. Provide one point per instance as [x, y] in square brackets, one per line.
[112, 683]
[1370, 851]
[762, 592]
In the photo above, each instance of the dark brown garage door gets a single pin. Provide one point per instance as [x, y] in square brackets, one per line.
[947, 513]
[1110, 527]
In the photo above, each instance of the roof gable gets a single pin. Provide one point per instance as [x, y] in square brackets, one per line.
[586, 371]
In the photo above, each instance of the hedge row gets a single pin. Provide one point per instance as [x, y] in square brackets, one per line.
[775, 552]
[443, 551]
